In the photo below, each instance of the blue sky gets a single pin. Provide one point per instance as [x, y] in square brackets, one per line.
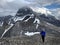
[53, 6]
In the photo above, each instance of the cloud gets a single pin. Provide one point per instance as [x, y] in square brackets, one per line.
[8, 7]
[5, 12]
[42, 10]
[13, 3]
[43, 2]
[56, 12]
[4, 2]
[11, 6]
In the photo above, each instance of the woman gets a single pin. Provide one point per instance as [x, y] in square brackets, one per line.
[43, 34]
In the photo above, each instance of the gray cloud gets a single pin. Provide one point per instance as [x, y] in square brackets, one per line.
[8, 7]
[43, 2]
[56, 12]
[5, 12]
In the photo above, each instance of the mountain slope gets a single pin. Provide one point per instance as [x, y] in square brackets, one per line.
[22, 23]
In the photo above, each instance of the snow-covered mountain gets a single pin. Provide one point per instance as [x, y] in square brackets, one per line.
[26, 12]
[30, 19]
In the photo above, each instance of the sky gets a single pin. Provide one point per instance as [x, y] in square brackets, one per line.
[10, 7]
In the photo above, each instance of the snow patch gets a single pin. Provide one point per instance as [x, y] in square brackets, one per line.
[7, 30]
[37, 21]
[18, 18]
[48, 23]
[31, 33]
[29, 17]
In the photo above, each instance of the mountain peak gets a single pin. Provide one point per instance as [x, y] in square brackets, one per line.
[24, 11]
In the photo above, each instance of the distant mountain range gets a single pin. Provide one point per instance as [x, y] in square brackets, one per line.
[5, 19]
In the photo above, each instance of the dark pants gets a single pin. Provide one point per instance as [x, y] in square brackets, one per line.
[43, 38]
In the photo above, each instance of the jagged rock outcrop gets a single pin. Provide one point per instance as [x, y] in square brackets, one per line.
[24, 11]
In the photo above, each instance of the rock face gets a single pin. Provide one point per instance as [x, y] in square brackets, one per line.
[20, 26]
[4, 23]
[51, 19]
[24, 11]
